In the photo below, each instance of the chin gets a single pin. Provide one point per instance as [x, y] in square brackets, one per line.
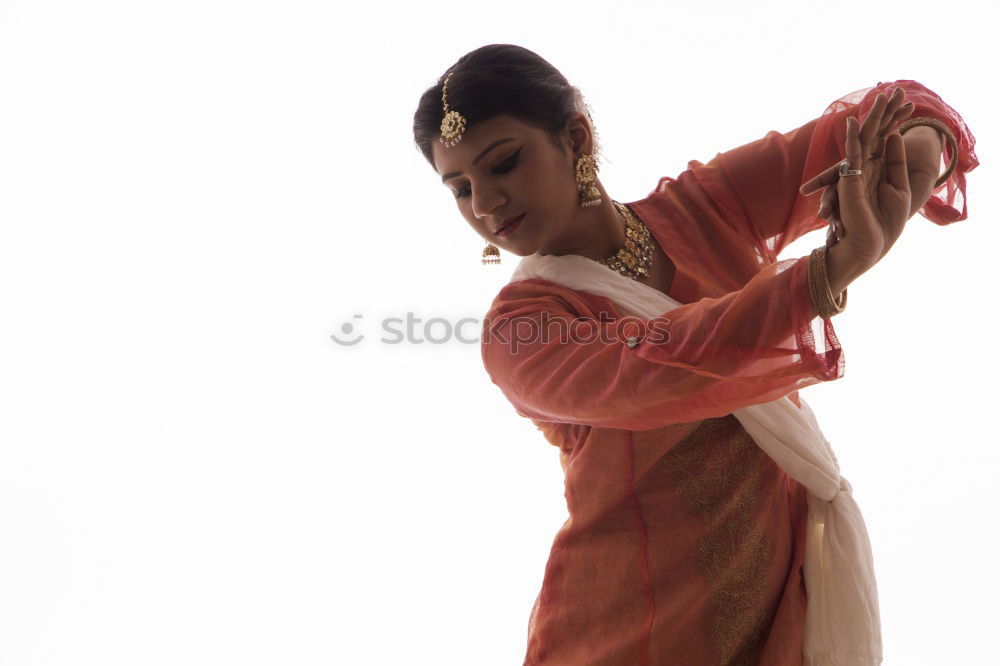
[521, 246]
[519, 249]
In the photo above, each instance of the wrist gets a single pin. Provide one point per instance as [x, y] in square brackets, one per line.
[844, 266]
[836, 269]
[826, 301]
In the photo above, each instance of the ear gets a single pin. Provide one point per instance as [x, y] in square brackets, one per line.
[581, 134]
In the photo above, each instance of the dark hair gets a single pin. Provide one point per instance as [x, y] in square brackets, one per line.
[499, 79]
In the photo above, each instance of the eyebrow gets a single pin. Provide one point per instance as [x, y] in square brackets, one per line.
[478, 157]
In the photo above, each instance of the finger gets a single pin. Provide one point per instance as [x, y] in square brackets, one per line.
[895, 161]
[895, 103]
[834, 234]
[826, 177]
[827, 203]
[835, 231]
[872, 123]
[853, 186]
[900, 115]
[896, 110]
[879, 119]
[890, 105]
[879, 145]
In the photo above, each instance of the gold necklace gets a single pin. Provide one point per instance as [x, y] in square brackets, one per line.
[634, 259]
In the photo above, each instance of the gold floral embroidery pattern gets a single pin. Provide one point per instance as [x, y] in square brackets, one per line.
[722, 487]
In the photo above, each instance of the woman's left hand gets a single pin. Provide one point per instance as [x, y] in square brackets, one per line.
[829, 206]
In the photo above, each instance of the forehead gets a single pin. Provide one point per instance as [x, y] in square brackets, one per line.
[475, 140]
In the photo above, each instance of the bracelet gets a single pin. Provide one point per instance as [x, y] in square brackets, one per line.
[819, 286]
[941, 127]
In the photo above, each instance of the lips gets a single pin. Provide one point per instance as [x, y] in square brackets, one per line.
[508, 222]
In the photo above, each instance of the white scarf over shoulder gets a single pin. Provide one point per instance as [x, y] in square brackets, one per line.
[842, 616]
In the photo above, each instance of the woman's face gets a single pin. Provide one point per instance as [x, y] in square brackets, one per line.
[503, 168]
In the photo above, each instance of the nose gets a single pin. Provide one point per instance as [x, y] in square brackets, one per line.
[486, 200]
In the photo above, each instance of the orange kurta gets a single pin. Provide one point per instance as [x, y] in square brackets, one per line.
[685, 541]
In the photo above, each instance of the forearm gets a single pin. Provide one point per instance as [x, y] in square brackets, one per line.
[923, 146]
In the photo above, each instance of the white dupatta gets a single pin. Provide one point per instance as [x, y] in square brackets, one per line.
[842, 625]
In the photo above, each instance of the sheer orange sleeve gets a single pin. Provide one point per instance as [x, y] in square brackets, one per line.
[558, 357]
[761, 179]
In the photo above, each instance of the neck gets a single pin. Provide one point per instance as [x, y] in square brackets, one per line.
[597, 233]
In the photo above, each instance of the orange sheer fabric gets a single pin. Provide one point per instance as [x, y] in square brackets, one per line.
[685, 542]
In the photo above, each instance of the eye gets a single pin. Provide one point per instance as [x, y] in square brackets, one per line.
[504, 167]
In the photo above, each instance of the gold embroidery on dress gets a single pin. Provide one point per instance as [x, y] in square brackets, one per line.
[734, 555]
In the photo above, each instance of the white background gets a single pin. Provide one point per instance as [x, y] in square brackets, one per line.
[195, 195]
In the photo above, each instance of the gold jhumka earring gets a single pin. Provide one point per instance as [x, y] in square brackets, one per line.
[586, 176]
[453, 125]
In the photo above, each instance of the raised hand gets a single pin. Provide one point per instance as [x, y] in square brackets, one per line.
[871, 208]
[885, 113]
[874, 205]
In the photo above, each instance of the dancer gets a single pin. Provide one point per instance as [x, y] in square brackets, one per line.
[662, 346]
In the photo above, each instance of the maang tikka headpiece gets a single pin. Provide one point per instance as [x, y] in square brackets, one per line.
[453, 123]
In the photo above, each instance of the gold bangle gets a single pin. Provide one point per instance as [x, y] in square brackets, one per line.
[910, 123]
[840, 302]
[819, 286]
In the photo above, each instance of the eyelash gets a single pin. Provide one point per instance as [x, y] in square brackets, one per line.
[503, 167]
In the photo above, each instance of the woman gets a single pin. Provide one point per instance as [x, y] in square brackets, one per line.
[689, 541]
